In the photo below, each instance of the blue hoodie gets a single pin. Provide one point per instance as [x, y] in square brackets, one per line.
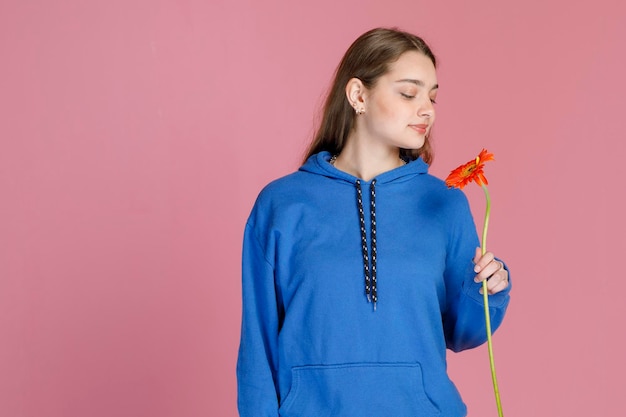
[313, 342]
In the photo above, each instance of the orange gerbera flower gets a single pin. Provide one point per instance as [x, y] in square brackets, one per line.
[472, 171]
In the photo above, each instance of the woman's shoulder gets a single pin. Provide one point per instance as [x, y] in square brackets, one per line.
[445, 202]
[283, 187]
[438, 186]
[280, 192]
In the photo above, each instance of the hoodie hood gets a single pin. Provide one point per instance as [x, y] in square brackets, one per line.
[320, 164]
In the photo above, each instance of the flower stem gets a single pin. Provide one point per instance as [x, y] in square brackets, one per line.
[483, 249]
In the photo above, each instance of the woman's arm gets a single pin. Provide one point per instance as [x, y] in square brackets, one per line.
[464, 317]
[256, 365]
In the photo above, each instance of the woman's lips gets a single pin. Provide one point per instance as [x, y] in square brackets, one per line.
[421, 128]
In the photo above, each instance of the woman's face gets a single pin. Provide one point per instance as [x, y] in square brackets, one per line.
[399, 107]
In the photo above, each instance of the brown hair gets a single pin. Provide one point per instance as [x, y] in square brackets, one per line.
[367, 59]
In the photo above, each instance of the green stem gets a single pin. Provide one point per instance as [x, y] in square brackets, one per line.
[483, 249]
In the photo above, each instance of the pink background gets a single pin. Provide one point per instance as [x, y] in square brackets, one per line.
[136, 134]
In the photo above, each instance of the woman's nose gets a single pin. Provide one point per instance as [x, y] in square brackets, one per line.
[427, 109]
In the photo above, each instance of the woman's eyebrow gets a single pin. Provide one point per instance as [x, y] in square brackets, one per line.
[419, 83]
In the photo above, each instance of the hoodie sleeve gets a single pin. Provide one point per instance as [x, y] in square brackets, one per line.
[256, 364]
[464, 317]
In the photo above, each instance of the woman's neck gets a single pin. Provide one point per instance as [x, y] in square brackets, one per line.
[366, 161]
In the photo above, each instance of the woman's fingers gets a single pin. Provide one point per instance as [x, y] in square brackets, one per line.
[490, 269]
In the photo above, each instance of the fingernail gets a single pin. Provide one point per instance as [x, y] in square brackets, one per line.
[476, 279]
[476, 268]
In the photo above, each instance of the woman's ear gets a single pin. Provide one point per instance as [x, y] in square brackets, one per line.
[356, 94]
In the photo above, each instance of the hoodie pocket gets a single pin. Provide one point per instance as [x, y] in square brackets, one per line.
[360, 389]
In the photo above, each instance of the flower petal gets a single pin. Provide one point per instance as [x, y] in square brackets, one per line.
[471, 171]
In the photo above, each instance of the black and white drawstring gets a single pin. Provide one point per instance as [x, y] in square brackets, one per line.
[370, 276]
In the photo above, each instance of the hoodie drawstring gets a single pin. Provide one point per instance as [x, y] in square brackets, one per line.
[370, 276]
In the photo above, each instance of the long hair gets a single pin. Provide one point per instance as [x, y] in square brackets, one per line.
[367, 59]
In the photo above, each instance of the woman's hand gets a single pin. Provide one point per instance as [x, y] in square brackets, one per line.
[492, 270]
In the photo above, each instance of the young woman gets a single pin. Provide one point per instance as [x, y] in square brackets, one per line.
[360, 269]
